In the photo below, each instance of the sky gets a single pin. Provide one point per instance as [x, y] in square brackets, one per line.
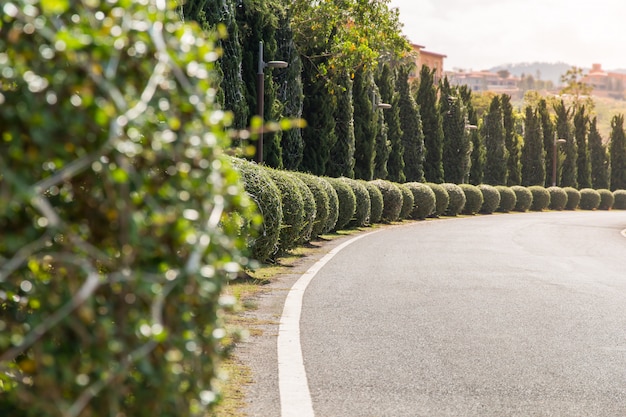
[480, 34]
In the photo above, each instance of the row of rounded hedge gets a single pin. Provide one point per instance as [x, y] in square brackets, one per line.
[298, 207]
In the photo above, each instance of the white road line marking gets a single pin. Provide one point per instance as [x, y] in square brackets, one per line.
[295, 397]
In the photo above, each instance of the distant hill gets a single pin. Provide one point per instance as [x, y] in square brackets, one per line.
[539, 70]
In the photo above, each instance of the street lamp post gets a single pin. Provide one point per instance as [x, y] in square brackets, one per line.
[260, 92]
[377, 105]
[555, 159]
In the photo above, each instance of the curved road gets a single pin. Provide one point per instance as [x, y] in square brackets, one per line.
[503, 315]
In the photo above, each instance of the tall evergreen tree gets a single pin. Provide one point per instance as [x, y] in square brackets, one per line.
[549, 136]
[512, 142]
[568, 176]
[533, 158]
[382, 147]
[474, 173]
[365, 124]
[493, 132]
[598, 157]
[432, 126]
[341, 158]
[455, 138]
[617, 150]
[581, 130]
[411, 125]
[388, 94]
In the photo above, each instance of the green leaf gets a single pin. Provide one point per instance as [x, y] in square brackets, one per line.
[55, 6]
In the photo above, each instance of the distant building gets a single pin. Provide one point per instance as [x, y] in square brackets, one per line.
[432, 60]
[480, 81]
[605, 84]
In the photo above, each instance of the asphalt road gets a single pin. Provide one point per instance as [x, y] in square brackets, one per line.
[502, 315]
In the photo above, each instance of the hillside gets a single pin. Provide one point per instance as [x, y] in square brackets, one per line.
[539, 70]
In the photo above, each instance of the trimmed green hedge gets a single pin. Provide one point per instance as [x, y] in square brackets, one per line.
[491, 198]
[376, 201]
[347, 202]
[442, 199]
[607, 200]
[310, 208]
[333, 206]
[322, 205]
[620, 199]
[457, 199]
[508, 199]
[424, 200]
[558, 198]
[523, 198]
[363, 208]
[408, 201]
[392, 200]
[293, 220]
[573, 198]
[589, 199]
[541, 198]
[473, 198]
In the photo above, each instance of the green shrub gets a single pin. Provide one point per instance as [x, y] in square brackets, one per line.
[473, 198]
[267, 196]
[442, 199]
[376, 201]
[120, 213]
[310, 208]
[523, 198]
[322, 205]
[408, 202]
[424, 200]
[491, 198]
[392, 200]
[333, 205]
[558, 198]
[620, 199]
[573, 198]
[457, 199]
[363, 209]
[589, 199]
[508, 199]
[541, 198]
[293, 220]
[347, 202]
[607, 200]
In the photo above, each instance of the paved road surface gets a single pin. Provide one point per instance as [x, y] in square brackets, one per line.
[503, 315]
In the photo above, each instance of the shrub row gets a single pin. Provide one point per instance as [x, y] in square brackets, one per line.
[298, 207]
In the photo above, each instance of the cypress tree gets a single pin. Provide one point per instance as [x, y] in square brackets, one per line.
[474, 174]
[547, 126]
[382, 147]
[365, 124]
[564, 131]
[512, 143]
[598, 157]
[426, 99]
[341, 159]
[411, 125]
[493, 132]
[455, 139]
[533, 158]
[617, 150]
[583, 166]
[388, 94]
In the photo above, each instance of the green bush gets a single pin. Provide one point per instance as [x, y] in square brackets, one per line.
[120, 213]
[333, 205]
[573, 198]
[491, 198]
[558, 198]
[607, 200]
[424, 200]
[322, 205]
[347, 202]
[392, 200]
[408, 202]
[267, 196]
[293, 220]
[589, 199]
[457, 199]
[310, 208]
[473, 198]
[541, 198]
[376, 201]
[523, 198]
[442, 199]
[620, 199]
[508, 199]
[363, 209]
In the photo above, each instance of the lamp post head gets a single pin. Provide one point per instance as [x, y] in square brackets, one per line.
[471, 127]
[383, 106]
[276, 64]
[561, 140]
